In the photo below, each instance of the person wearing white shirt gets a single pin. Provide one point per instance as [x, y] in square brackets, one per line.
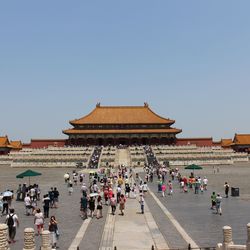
[205, 181]
[27, 202]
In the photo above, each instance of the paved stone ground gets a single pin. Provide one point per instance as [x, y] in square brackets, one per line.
[169, 232]
[193, 211]
[92, 237]
[67, 214]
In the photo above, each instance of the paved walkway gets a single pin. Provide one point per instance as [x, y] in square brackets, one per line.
[133, 230]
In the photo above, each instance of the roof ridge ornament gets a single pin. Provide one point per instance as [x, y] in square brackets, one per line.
[145, 104]
[98, 105]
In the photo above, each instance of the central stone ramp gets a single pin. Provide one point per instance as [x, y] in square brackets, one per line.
[133, 230]
[123, 157]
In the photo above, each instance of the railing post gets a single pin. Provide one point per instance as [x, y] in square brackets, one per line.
[248, 237]
[29, 239]
[46, 240]
[227, 236]
[4, 245]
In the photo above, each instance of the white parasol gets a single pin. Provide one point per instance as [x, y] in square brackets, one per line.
[93, 194]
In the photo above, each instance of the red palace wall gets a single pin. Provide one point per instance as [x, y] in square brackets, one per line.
[44, 143]
[200, 142]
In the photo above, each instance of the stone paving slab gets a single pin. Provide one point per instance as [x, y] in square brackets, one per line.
[193, 211]
[131, 231]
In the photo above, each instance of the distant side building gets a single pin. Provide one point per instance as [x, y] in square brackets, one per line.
[6, 146]
[114, 125]
[199, 142]
[16, 145]
[226, 143]
[241, 143]
[44, 143]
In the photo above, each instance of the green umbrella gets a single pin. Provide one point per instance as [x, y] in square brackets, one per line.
[193, 167]
[28, 173]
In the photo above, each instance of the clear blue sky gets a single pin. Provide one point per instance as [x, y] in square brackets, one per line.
[190, 60]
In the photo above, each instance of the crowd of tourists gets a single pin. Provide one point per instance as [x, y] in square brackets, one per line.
[30, 196]
[111, 189]
[167, 176]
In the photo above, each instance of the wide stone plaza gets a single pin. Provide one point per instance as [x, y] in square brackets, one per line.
[169, 222]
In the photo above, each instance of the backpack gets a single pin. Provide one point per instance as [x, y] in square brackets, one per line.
[10, 221]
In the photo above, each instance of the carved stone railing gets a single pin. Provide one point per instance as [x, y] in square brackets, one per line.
[228, 240]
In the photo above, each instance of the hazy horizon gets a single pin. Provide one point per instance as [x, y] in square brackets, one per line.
[189, 60]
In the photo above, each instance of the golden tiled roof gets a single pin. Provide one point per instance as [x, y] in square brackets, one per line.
[242, 139]
[122, 115]
[226, 142]
[16, 144]
[4, 141]
[122, 131]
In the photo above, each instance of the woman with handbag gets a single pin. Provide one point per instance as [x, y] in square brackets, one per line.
[53, 228]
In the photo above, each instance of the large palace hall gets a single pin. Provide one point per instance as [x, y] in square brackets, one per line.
[114, 125]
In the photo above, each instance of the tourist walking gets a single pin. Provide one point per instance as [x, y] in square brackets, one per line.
[99, 207]
[170, 188]
[70, 187]
[145, 188]
[19, 192]
[46, 202]
[141, 201]
[213, 200]
[118, 193]
[39, 221]
[127, 190]
[53, 229]
[226, 186]
[56, 197]
[205, 182]
[122, 202]
[12, 223]
[84, 189]
[24, 190]
[218, 204]
[51, 197]
[5, 206]
[27, 202]
[163, 189]
[196, 186]
[92, 206]
[84, 207]
[113, 204]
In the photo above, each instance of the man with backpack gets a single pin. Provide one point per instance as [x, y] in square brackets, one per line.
[12, 223]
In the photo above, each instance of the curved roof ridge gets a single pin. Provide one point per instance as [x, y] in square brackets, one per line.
[122, 115]
[159, 115]
[72, 121]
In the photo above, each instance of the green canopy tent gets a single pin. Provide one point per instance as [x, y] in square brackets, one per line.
[193, 167]
[28, 173]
